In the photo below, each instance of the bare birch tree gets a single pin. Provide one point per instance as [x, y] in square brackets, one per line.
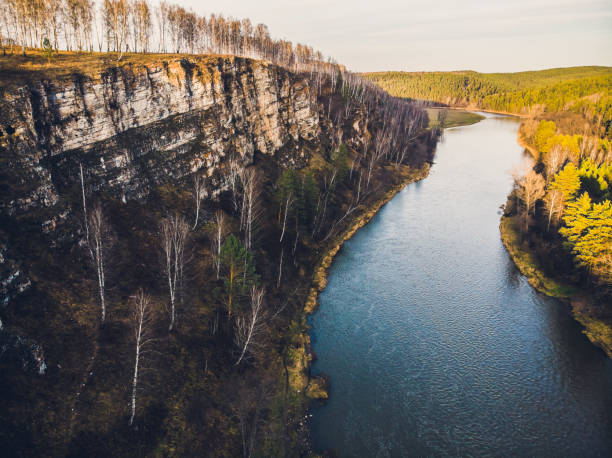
[553, 203]
[234, 171]
[142, 322]
[218, 237]
[116, 15]
[250, 326]
[288, 203]
[531, 187]
[86, 222]
[280, 268]
[141, 24]
[199, 193]
[173, 233]
[252, 398]
[553, 160]
[250, 204]
[100, 242]
[162, 24]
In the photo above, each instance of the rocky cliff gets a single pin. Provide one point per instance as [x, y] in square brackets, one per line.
[139, 132]
[133, 127]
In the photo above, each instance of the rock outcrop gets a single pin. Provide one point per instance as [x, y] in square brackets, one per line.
[132, 126]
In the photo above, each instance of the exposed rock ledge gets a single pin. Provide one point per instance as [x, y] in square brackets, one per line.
[133, 125]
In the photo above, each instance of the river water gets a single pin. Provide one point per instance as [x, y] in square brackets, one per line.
[436, 345]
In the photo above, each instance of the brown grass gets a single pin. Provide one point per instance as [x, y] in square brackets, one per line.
[17, 70]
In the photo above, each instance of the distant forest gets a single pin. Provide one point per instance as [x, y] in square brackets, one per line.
[581, 90]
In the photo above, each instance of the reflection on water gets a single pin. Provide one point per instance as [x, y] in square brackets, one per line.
[434, 343]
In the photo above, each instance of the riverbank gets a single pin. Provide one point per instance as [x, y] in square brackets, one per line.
[300, 378]
[583, 306]
[454, 118]
[524, 144]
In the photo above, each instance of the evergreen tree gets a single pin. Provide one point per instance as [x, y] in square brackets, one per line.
[567, 181]
[238, 272]
[588, 230]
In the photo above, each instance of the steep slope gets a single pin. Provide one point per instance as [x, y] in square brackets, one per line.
[141, 133]
[171, 119]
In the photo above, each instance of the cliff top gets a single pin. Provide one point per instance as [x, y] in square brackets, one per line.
[17, 70]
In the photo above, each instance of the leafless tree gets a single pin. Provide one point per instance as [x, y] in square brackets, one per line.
[218, 237]
[553, 202]
[589, 147]
[199, 193]
[250, 326]
[80, 15]
[234, 172]
[162, 23]
[252, 397]
[173, 233]
[251, 210]
[280, 269]
[141, 24]
[85, 220]
[100, 242]
[530, 188]
[554, 160]
[321, 211]
[288, 203]
[116, 15]
[142, 322]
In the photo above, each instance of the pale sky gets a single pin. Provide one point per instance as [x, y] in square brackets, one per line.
[411, 35]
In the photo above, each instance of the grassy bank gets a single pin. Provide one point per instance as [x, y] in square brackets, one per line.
[18, 70]
[584, 307]
[454, 118]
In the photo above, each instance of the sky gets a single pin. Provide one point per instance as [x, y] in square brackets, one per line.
[410, 35]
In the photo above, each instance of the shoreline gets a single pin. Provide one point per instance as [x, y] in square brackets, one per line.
[320, 273]
[581, 305]
[300, 379]
[523, 144]
[474, 108]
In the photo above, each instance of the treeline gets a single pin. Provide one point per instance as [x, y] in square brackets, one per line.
[140, 26]
[584, 91]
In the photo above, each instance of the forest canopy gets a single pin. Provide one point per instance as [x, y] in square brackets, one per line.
[581, 90]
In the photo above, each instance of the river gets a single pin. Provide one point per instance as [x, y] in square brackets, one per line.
[434, 343]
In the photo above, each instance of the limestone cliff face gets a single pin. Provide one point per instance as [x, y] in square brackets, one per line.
[131, 127]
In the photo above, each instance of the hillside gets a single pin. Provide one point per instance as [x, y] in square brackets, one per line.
[260, 169]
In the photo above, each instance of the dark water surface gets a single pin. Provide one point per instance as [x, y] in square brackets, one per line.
[435, 344]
